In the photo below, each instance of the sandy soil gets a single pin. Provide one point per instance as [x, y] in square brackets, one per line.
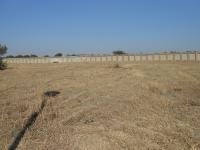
[102, 106]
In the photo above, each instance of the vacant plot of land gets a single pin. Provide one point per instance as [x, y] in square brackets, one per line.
[101, 106]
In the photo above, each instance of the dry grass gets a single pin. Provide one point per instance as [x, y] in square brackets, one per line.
[137, 106]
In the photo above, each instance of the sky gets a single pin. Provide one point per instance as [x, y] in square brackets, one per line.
[99, 26]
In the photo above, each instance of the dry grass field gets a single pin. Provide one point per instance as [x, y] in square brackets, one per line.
[101, 106]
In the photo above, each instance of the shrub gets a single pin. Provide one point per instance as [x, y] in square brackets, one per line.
[119, 52]
[10, 56]
[26, 56]
[33, 55]
[3, 50]
[58, 55]
[46, 55]
[19, 56]
[3, 65]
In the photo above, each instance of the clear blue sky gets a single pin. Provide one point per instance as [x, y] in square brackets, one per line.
[99, 26]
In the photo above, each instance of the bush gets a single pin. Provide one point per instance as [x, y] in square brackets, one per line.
[3, 50]
[33, 55]
[26, 56]
[19, 56]
[3, 65]
[118, 52]
[46, 55]
[58, 55]
[10, 56]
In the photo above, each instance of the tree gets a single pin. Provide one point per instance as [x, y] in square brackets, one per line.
[33, 55]
[3, 50]
[118, 52]
[10, 56]
[26, 56]
[58, 55]
[19, 56]
[46, 55]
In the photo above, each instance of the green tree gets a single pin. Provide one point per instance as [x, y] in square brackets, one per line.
[10, 56]
[119, 52]
[3, 50]
[33, 55]
[46, 55]
[58, 55]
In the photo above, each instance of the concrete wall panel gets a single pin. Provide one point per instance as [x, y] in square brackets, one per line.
[184, 57]
[132, 58]
[126, 58]
[170, 57]
[198, 56]
[143, 58]
[109, 58]
[149, 57]
[137, 58]
[192, 57]
[163, 57]
[114, 58]
[156, 57]
[103, 58]
[177, 57]
[120, 58]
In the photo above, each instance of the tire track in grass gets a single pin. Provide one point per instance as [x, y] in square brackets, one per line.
[32, 119]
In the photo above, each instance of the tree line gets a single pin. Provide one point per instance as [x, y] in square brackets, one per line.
[33, 55]
[117, 52]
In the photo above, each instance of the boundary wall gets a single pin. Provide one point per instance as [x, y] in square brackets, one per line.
[171, 57]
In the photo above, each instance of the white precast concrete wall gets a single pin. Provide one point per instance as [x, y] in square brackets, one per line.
[137, 58]
[170, 57]
[156, 57]
[184, 57]
[149, 58]
[163, 57]
[191, 57]
[177, 57]
[198, 57]
[125, 58]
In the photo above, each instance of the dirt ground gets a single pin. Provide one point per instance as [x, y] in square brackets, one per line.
[101, 106]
